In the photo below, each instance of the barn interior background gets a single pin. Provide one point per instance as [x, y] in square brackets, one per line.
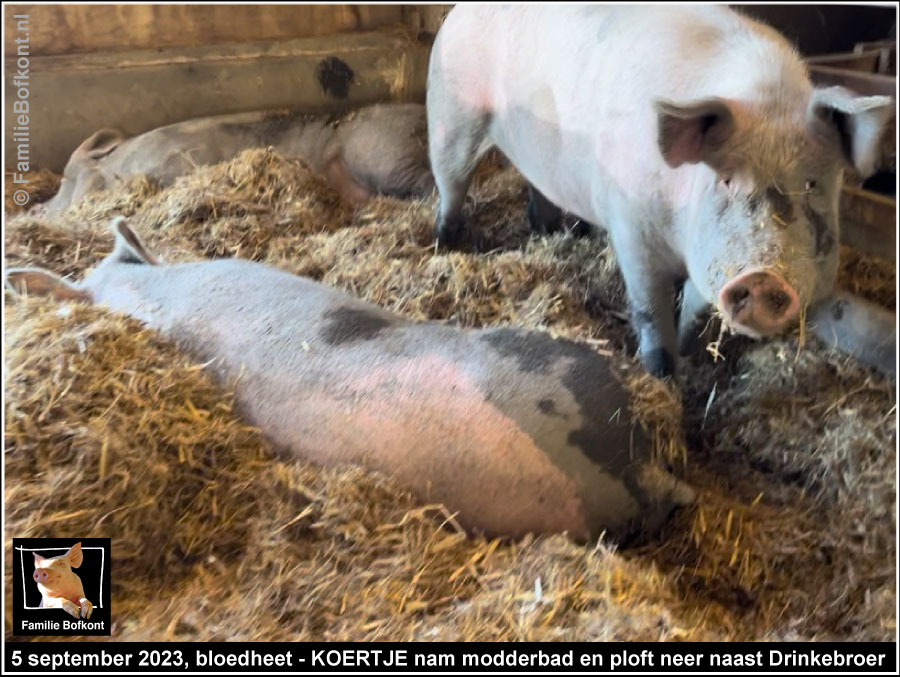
[794, 454]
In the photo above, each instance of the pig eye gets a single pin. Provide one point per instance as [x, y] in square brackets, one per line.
[810, 185]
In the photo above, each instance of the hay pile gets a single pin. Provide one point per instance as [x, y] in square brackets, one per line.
[113, 432]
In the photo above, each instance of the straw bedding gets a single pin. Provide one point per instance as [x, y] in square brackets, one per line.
[111, 431]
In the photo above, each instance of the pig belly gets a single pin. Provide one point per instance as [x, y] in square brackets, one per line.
[424, 422]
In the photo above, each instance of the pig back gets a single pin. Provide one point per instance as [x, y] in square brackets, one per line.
[169, 152]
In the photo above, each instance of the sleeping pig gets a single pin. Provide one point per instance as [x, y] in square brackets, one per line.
[379, 149]
[515, 431]
[690, 132]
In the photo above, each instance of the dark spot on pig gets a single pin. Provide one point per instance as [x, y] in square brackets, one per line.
[820, 230]
[780, 204]
[607, 435]
[276, 123]
[335, 77]
[753, 203]
[268, 130]
[353, 324]
[533, 352]
[837, 310]
[548, 407]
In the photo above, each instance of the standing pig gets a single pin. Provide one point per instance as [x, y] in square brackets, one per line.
[514, 430]
[692, 133]
[381, 149]
[60, 586]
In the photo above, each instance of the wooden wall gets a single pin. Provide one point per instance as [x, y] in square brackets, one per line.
[73, 29]
[138, 67]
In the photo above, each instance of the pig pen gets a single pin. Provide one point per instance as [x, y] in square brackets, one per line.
[112, 432]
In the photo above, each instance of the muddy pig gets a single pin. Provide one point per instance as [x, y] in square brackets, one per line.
[515, 431]
[380, 149]
[690, 132]
[60, 586]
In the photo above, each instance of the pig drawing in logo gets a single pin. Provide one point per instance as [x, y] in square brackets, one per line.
[59, 585]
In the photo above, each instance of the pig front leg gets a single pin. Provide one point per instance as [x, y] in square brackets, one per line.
[543, 216]
[71, 608]
[86, 607]
[650, 292]
[862, 329]
[691, 319]
[456, 141]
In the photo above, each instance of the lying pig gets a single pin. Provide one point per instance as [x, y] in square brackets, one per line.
[514, 430]
[691, 133]
[60, 586]
[856, 326]
[380, 149]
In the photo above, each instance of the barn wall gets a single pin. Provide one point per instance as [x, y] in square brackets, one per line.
[138, 67]
[822, 29]
[71, 29]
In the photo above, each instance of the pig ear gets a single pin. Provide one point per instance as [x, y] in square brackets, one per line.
[75, 557]
[37, 559]
[41, 282]
[858, 120]
[129, 248]
[693, 132]
[99, 144]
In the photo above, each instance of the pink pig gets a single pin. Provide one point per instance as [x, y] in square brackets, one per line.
[59, 585]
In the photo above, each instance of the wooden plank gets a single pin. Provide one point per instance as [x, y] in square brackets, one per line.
[71, 97]
[867, 84]
[55, 29]
[866, 62]
[869, 222]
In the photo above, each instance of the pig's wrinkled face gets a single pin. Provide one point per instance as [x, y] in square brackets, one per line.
[51, 573]
[764, 242]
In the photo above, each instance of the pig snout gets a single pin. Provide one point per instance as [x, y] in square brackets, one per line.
[759, 302]
[40, 576]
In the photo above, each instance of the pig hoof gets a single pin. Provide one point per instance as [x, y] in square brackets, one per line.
[542, 224]
[86, 608]
[659, 362]
[582, 228]
[71, 609]
[450, 230]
